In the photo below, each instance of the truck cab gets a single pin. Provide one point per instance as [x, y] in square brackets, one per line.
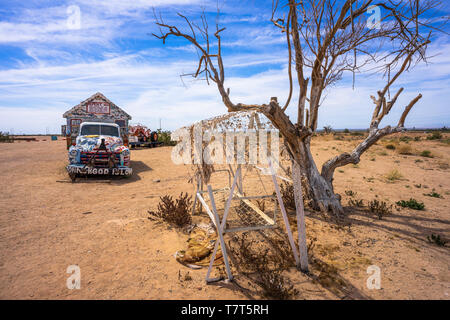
[99, 150]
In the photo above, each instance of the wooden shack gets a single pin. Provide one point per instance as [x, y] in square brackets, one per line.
[96, 108]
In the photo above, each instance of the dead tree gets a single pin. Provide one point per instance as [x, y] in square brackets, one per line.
[325, 39]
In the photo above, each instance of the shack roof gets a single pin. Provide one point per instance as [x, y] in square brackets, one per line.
[80, 109]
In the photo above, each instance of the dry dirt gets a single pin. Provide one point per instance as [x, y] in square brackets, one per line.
[46, 225]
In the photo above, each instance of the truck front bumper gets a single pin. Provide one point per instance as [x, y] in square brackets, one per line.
[82, 169]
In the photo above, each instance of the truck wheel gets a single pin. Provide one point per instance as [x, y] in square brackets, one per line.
[154, 136]
[73, 177]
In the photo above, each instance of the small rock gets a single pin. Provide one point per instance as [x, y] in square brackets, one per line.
[157, 180]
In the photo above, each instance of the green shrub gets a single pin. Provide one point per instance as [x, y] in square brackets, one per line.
[433, 194]
[412, 204]
[164, 137]
[405, 139]
[4, 137]
[390, 147]
[426, 154]
[435, 136]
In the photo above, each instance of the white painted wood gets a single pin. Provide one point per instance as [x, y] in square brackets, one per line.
[284, 214]
[208, 210]
[300, 216]
[220, 227]
[220, 235]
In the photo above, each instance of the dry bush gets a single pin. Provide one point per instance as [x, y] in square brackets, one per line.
[436, 239]
[405, 149]
[174, 212]
[394, 175]
[265, 265]
[380, 208]
[287, 194]
[356, 203]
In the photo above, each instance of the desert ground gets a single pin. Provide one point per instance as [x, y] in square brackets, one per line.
[47, 224]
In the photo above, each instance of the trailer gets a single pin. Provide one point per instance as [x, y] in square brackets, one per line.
[141, 136]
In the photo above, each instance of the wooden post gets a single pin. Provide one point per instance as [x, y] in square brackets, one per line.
[220, 236]
[221, 228]
[284, 214]
[299, 208]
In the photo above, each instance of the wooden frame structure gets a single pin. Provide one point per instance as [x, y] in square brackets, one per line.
[300, 254]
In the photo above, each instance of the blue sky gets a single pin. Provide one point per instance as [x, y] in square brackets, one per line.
[46, 66]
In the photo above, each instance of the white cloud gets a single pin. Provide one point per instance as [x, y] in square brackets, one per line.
[146, 84]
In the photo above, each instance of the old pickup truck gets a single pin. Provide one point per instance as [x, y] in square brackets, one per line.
[99, 150]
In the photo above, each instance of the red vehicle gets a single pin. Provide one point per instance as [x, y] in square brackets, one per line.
[140, 135]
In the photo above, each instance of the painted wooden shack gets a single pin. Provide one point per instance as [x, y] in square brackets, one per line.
[96, 108]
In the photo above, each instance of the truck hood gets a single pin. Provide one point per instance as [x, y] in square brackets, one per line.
[91, 143]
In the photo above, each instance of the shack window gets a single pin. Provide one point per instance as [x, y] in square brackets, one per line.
[121, 123]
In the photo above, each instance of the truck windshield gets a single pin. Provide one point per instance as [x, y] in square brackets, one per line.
[95, 129]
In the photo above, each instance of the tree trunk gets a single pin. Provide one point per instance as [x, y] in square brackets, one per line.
[318, 190]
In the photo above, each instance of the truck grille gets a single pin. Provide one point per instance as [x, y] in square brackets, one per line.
[100, 158]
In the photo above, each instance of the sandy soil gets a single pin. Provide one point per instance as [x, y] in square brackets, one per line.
[46, 225]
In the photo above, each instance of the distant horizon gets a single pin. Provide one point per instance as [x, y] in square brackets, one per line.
[318, 130]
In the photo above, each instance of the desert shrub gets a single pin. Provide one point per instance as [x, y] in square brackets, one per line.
[356, 203]
[164, 137]
[417, 138]
[350, 193]
[394, 175]
[405, 139]
[426, 154]
[390, 147]
[346, 131]
[4, 137]
[435, 136]
[174, 212]
[357, 134]
[405, 149]
[436, 239]
[327, 129]
[265, 266]
[412, 204]
[380, 208]
[433, 194]
[287, 194]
